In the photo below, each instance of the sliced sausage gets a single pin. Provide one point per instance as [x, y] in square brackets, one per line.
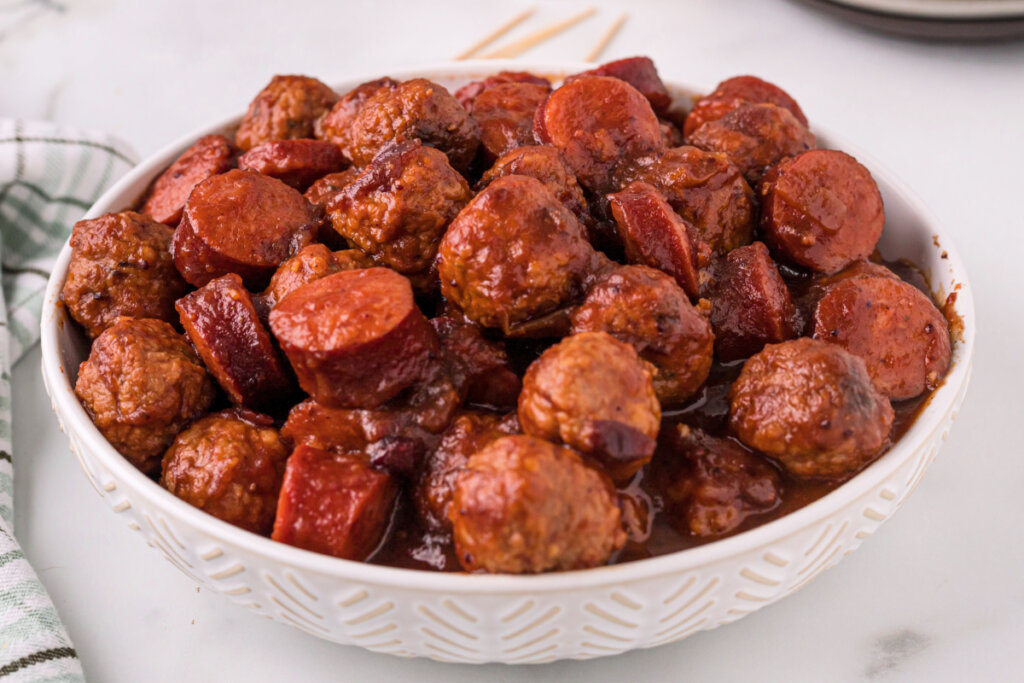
[311, 263]
[120, 266]
[285, 109]
[505, 113]
[355, 338]
[733, 92]
[654, 235]
[227, 333]
[897, 330]
[141, 384]
[750, 304]
[297, 163]
[336, 125]
[468, 93]
[822, 210]
[598, 123]
[400, 205]
[546, 164]
[754, 137]
[513, 254]
[241, 222]
[648, 310]
[594, 394]
[811, 406]
[523, 505]
[640, 73]
[479, 367]
[210, 155]
[705, 189]
[334, 504]
[230, 465]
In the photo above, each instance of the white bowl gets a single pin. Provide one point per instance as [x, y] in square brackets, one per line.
[517, 619]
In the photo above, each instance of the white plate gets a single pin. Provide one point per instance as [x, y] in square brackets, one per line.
[516, 619]
[942, 9]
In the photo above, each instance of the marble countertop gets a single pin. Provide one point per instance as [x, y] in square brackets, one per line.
[936, 595]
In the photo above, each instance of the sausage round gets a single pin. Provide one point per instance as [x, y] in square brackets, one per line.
[646, 309]
[227, 333]
[733, 92]
[754, 137]
[398, 208]
[414, 110]
[897, 330]
[296, 163]
[120, 266]
[546, 164]
[210, 155]
[355, 338]
[822, 210]
[284, 110]
[333, 503]
[750, 304]
[230, 465]
[468, 93]
[811, 406]
[514, 253]
[640, 73]
[241, 222]
[594, 394]
[523, 505]
[705, 189]
[336, 125]
[311, 263]
[140, 385]
[598, 123]
[505, 113]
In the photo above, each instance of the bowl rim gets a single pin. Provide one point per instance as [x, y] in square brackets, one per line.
[78, 423]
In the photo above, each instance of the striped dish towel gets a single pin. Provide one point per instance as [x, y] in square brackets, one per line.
[49, 176]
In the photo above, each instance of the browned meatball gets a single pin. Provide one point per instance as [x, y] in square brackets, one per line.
[284, 110]
[479, 367]
[505, 113]
[414, 110]
[312, 263]
[754, 137]
[897, 330]
[812, 406]
[230, 465]
[398, 208]
[514, 253]
[710, 485]
[210, 155]
[523, 505]
[732, 93]
[120, 266]
[336, 125]
[646, 308]
[323, 190]
[468, 93]
[141, 384]
[706, 189]
[546, 164]
[594, 394]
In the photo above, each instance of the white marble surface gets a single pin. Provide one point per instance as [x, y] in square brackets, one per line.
[936, 595]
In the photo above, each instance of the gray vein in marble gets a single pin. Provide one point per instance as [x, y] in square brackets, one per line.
[891, 651]
[19, 14]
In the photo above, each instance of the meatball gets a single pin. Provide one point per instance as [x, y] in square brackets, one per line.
[705, 189]
[523, 505]
[822, 210]
[210, 155]
[312, 263]
[398, 208]
[754, 137]
[230, 465]
[468, 93]
[336, 125]
[546, 164]
[646, 308]
[514, 253]
[505, 113]
[897, 330]
[478, 367]
[736, 91]
[811, 406]
[594, 394]
[285, 109]
[140, 385]
[414, 110]
[120, 266]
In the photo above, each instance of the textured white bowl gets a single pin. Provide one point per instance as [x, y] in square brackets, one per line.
[516, 619]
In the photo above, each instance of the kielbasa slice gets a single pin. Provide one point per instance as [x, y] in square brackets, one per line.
[297, 163]
[898, 331]
[654, 235]
[226, 331]
[333, 503]
[598, 123]
[241, 222]
[640, 73]
[210, 155]
[750, 304]
[356, 338]
[733, 92]
[822, 210]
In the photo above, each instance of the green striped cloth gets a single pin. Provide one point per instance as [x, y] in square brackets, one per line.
[49, 176]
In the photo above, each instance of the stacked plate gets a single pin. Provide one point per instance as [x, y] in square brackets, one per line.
[942, 19]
